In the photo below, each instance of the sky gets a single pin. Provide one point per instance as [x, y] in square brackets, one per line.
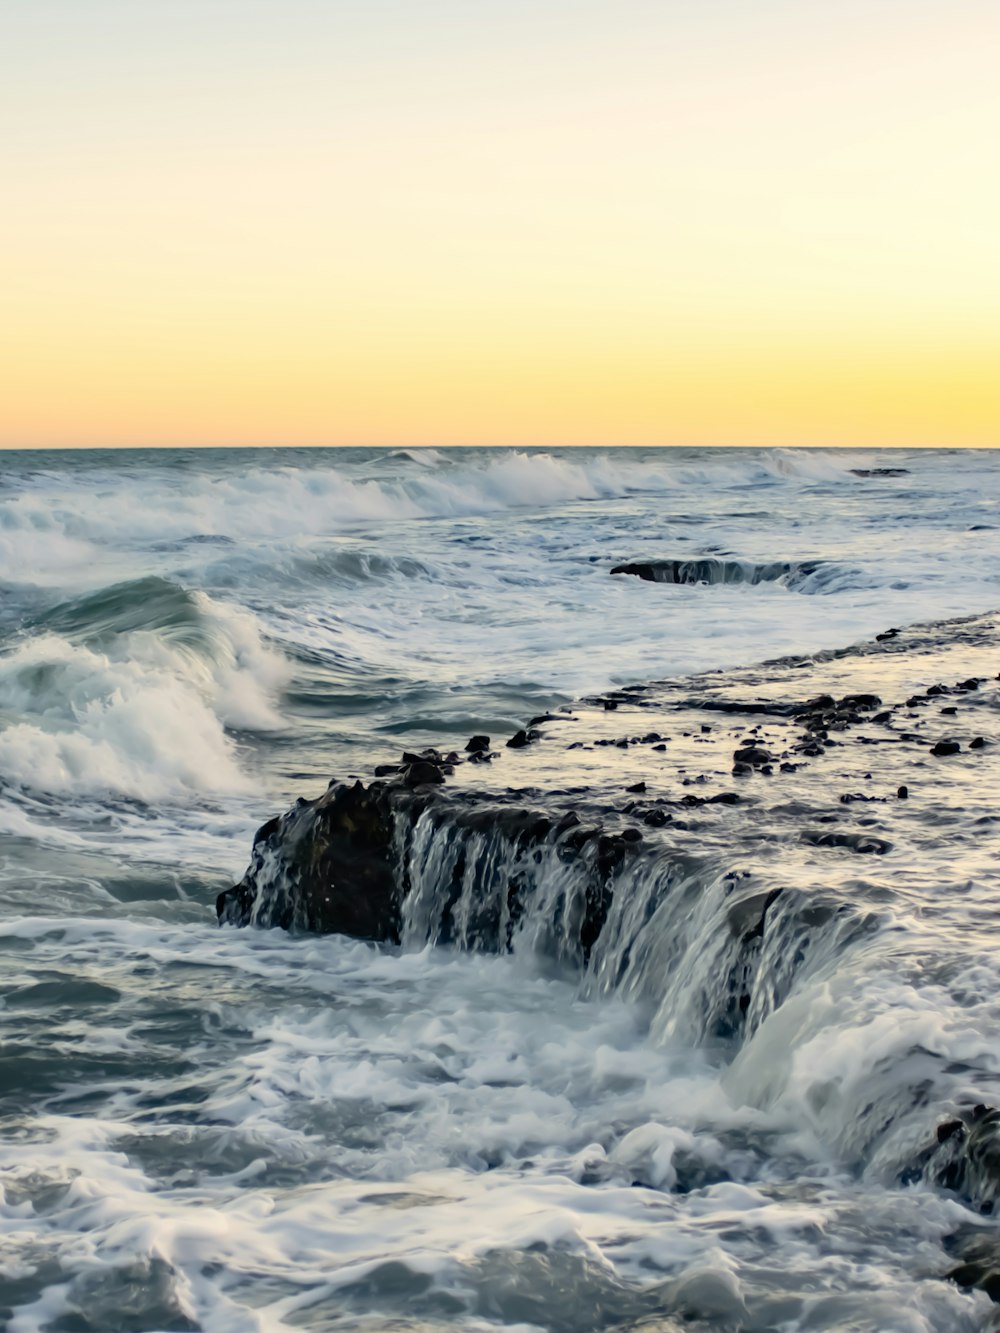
[406, 222]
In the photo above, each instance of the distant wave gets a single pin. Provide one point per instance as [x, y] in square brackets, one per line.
[46, 532]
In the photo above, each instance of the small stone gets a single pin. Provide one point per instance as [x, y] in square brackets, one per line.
[637, 786]
[902, 792]
[518, 740]
[944, 748]
[978, 743]
[752, 754]
[476, 744]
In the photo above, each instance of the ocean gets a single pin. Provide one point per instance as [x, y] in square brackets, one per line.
[230, 1130]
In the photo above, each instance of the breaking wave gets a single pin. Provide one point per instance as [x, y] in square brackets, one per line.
[43, 534]
[133, 691]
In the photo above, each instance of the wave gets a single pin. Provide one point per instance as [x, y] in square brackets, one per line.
[58, 529]
[133, 692]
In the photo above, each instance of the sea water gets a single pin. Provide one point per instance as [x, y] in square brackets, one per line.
[246, 1130]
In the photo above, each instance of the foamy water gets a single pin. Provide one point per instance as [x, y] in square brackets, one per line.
[232, 1130]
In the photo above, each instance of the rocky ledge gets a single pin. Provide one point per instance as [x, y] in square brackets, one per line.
[709, 844]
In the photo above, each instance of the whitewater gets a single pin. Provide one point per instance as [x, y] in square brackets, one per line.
[222, 1129]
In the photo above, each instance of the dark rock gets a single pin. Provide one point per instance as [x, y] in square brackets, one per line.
[977, 744]
[949, 712]
[656, 818]
[863, 701]
[637, 786]
[518, 740]
[888, 634]
[324, 866]
[422, 773]
[752, 754]
[948, 1129]
[861, 843]
[476, 744]
[902, 793]
[430, 756]
[945, 748]
[610, 705]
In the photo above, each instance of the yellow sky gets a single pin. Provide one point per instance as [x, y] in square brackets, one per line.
[399, 222]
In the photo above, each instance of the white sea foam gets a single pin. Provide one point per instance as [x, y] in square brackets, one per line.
[431, 1152]
[141, 716]
[38, 537]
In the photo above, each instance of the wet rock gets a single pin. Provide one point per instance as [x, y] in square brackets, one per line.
[754, 755]
[518, 740]
[656, 818]
[977, 744]
[944, 748]
[477, 744]
[902, 792]
[881, 471]
[422, 773]
[326, 865]
[637, 787]
[861, 843]
[965, 1156]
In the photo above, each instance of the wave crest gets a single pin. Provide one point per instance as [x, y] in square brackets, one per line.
[133, 691]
